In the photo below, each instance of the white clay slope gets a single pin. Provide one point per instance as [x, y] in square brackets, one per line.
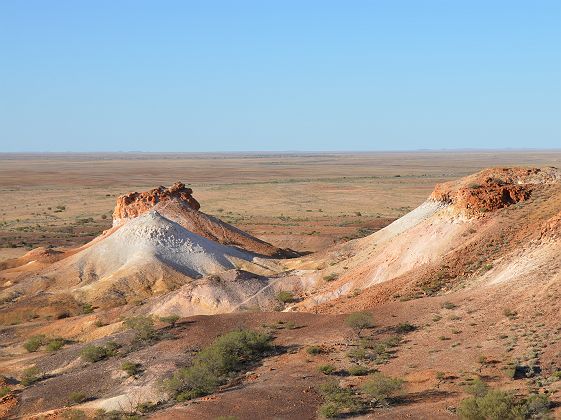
[153, 237]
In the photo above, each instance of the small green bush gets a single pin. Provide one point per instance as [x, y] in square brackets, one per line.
[338, 400]
[170, 319]
[477, 388]
[405, 328]
[55, 344]
[217, 363]
[327, 369]
[330, 277]
[143, 328]
[358, 321]
[132, 369]
[358, 370]
[93, 353]
[34, 343]
[87, 308]
[4, 390]
[382, 387]
[496, 404]
[448, 305]
[30, 376]
[314, 350]
[285, 296]
[77, 397]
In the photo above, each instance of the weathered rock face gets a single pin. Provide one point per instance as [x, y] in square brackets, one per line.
[492, 189]
[134, 204]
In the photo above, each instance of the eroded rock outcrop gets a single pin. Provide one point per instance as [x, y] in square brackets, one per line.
[492, 189]
[134, 204]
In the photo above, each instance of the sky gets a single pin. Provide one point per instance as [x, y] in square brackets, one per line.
[272, 75]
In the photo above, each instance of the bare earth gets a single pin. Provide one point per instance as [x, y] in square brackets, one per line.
[462, 280]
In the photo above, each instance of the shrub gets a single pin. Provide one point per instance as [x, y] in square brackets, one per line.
[77, 397]
[382, 387]
[330, 277]
[448, 305]
[327, 369]
[4, 390]
[496, 404]
[132, 369]
[34, 343]
[405, 328]
[55, 344]
[30, 376]
[358, 371]
[285, 296]
[477, 388]
[87, 308]
[314, 350]
[170, 319]
[93, 353]
[337, 400]
[509, 313]
[215, 364]
[143, 328]
[358, 321]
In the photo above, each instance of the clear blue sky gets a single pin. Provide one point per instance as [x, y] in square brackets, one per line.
[279, 75]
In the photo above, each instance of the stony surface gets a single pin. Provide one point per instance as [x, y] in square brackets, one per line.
[493, 188]
[134, 204]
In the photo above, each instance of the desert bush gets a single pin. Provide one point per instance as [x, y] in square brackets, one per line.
[327, 369]
[143, 328]
[477, 388]
[55, 344]
[170, 319]
[4, 390]
[358, 370]
[330, 277]
[338, 400]
[34, 343]
[77, 397]
[358, 321]
[215, 364]
[93, 353]
[285, 296]
[87, 308]
[132, 369]
[381, 387]
[30, 376]
[448, 305]
[405, 328]
[314, 350]
[496, 404]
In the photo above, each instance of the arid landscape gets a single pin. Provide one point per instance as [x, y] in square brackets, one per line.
[286, 286]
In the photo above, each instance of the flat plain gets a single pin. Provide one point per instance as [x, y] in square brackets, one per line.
[304, 201]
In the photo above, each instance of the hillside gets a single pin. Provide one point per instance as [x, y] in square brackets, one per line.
[466, 286]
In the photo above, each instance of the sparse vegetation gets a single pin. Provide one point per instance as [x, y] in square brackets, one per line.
[327, 369]
[405, 328]
[359, 321]
[330, 277]
[30, 375]
[4, 390]
[496, 404]
[170, 319]
[217, 363]
[77, 397]
[358, 370]
[338, 400]
[314, 350]
[448, 305]
[284, 296]
[382, 387]
[92, 353]
[132, 369]
[34, 343]
[143, 328]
